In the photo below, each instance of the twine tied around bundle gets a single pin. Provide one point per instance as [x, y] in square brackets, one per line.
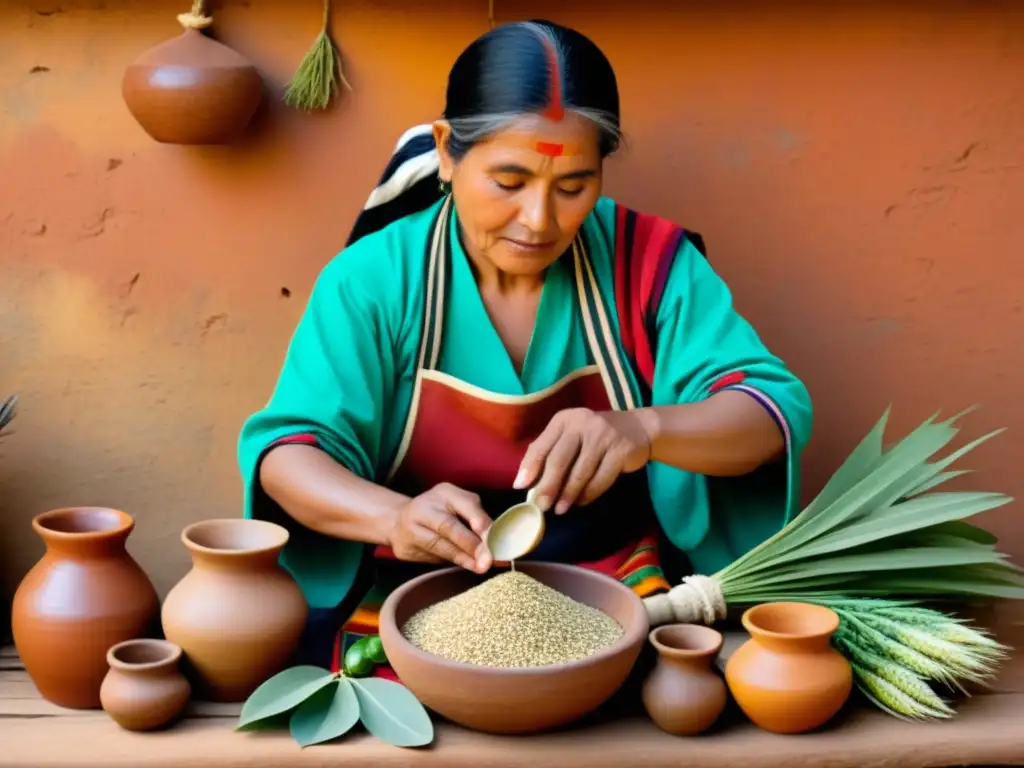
[196, 18]
[698, 600]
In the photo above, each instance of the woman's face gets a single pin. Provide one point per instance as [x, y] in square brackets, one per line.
[522, 194]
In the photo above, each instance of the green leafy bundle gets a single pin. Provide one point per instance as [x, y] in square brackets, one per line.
[320, 705]
[899, 651]
[878, 528]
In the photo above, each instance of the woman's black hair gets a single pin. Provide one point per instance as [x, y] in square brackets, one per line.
[515, 69]
[530, 66]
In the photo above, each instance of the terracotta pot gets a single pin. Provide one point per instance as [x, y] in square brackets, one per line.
[237, 614]
[144, 689]
[788, 678]
[683, 695]
[192, 90]
[85, 595]
[520, 700]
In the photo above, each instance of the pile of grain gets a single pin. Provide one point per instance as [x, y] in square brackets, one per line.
[511, 620]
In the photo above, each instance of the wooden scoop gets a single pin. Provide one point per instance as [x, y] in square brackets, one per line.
[516, 532]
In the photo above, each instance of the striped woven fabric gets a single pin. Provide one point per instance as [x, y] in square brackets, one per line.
[409, 183]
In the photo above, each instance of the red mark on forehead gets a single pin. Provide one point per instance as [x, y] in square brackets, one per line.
[550, 148]
[555, 110]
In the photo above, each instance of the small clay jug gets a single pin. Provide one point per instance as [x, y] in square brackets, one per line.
[192, 90]
[237, 615]
[788, 678]
[683, 695]
[144, 689]
[85, 595]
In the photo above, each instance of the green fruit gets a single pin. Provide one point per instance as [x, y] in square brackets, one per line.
[357, 661]
[375, 650]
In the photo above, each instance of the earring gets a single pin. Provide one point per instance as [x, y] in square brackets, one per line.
[444, 186]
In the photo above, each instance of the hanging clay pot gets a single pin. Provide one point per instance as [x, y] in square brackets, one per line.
[788, 678]
[85, 595]
[238, 615]
[192, 90]
[683, 695]
[144, 689]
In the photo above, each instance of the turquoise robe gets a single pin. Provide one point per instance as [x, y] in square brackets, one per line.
[349, 371]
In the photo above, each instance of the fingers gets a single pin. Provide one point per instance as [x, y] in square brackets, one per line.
[436, 544]
[447, 527]
[603, 478]
[467, 506]
[583, 469]
[557, 466]
[536, 454]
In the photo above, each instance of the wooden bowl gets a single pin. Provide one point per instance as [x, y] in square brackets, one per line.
[519, 700]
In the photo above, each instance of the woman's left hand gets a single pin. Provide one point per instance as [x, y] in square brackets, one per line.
[581, 453]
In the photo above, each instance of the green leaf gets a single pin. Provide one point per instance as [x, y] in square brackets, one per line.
[878, 529]
[899, 470]
[912, 515]
[284, 691]
[852, 471]
[856, 467]
[964, 531]
[884, 482]
[886, 560]
[327, 714]
[936, 481]
[942, 583]
[392, 714]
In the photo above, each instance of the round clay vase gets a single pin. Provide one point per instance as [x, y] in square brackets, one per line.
[144, 688]
[85, 595]
[192, 90]
[788, 678]
[237, 615]
[683, 695]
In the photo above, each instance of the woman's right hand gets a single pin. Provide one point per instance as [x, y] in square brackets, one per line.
[444, 524]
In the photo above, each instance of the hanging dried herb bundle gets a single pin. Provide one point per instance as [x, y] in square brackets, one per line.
[877, 529]
[316, 80]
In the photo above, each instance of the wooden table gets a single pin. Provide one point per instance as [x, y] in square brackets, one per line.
[35, 734]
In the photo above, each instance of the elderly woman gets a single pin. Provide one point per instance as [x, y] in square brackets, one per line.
[495, 325]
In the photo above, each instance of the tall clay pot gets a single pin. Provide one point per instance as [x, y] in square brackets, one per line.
[192, 90]
[788, 678]
[683, 694]
[85, 595]
[144, 688]
[237, 614]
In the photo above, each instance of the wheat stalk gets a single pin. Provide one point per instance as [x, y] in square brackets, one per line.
[896, 649]
[891, 699]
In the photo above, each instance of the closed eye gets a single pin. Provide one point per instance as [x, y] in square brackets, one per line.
[509, 186]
